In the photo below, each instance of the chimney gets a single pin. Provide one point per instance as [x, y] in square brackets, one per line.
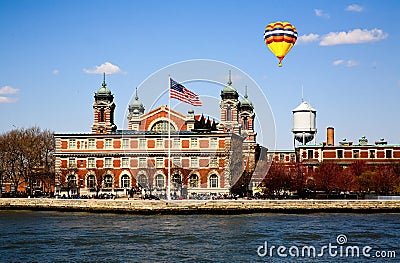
[330, 136]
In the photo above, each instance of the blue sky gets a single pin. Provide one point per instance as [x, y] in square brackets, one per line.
[346, 59]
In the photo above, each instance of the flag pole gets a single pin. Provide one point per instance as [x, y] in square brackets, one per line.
[169, 139]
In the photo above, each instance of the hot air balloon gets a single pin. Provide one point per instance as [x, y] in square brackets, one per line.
[280, 38]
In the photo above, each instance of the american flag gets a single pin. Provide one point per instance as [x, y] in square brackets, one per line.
[179, 92]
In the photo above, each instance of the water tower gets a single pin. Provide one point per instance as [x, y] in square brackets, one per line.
[304, 123]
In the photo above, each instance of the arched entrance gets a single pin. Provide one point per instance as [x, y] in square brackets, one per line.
[176, 189]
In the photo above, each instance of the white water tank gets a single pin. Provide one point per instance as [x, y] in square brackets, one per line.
[304, 123]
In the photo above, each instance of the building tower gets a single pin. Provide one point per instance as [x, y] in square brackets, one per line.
[247, 115]
[103, 108]
[229, 106]
[304, 123]
[136, 109]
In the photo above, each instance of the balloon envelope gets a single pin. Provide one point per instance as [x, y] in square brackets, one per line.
[280, 38]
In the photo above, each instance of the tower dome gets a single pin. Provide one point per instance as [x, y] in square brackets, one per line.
[246, 103]
[229, 92]
[304, 123]
[104, 93]
[136, 107]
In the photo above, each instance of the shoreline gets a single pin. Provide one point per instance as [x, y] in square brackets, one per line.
[152, 207]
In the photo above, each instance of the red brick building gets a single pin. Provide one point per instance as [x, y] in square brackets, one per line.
[206, 157]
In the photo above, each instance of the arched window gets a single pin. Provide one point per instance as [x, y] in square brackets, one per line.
[108, 181]
[193, 181]
[213, 181]
[125, 181]
[90, 181]
[142, 181]
[71, 180]
[229, 113]
[160, 182]
[162, 127]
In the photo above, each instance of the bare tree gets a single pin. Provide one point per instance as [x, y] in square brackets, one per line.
[27, 156]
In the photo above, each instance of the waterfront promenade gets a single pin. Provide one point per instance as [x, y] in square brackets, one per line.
[201, 207]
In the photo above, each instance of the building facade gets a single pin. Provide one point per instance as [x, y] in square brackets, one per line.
[204, 157]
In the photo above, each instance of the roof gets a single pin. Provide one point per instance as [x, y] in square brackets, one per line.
[304, 106]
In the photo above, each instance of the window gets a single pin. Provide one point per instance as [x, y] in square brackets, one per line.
[125, 162]
[90, 181]
[142, 143]
[214, 143]
[91, 143]
[176, 143]
[108, 181]
[72, 144]
[107, 162]
[159, 162]
[125, 143]
[101, 117]
[71, 163]
[371, 153]
[214, 162]
[229, 113]
[388, 153]
[310, 154]
[160, 182]
[194, 181]
[142, 162]
[194, 143]
[159, 143]
[91, 163]
[142, 181]
[82, 145]
[292, 157]
[281, 157]
[339, 153]
[194, 162]
[270, 157]
[176, 161]
[245, 124]
[125, 181]
[356, 153]
[214, 181]
[108, 144]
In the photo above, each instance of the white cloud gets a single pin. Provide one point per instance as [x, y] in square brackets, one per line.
[320, 13]
[353, 37]
[8, 90]
[354, 8]
[304, 39]
[107, 68]
[56, 72]
[338, 62]
[7, 100]
[347, 63]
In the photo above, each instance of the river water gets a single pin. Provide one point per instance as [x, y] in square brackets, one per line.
[48, 236]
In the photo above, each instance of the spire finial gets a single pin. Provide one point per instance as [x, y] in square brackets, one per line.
[245, 92]
[230, 78]
[136, 96]
[104, 79]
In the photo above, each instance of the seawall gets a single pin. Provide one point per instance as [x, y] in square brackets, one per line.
[202, 207]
